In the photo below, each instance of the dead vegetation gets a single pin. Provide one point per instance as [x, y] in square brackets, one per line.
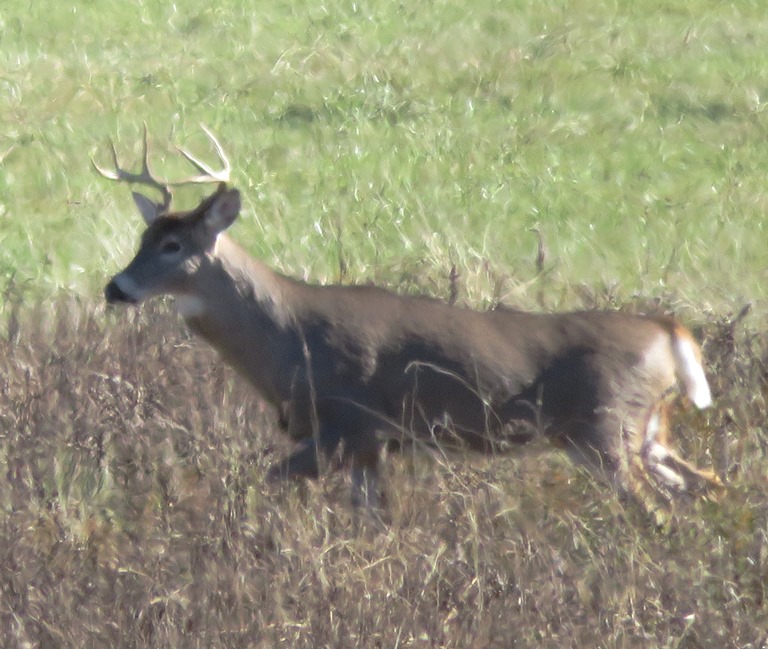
[133, 513]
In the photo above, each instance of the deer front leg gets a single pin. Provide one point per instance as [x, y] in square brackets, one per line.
[366, 483]
[305, 462]
[309, 456]
[361, 453]
[302, 463]
[298, 418]
[343, 437]
[365, 488]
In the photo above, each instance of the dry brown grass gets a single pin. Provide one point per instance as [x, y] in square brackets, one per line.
[133, 513]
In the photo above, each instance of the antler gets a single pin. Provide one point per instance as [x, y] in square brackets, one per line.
[207, 175]
[145, 176]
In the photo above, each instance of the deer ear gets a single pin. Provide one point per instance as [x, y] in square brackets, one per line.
[147, 207]
[223, 211]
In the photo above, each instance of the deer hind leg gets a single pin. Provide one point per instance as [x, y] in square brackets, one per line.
[596, 446]
[609, 449]
[667, 468]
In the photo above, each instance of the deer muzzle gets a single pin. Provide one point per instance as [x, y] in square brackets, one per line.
[113, 294]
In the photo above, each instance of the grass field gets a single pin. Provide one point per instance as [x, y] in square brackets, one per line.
[408, 139]
[381, 142]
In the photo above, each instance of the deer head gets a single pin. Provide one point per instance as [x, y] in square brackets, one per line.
[175, 245]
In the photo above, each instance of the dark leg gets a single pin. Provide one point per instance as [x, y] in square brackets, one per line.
[365, 487]
[302, 463]
[306, 460]
[361, 453]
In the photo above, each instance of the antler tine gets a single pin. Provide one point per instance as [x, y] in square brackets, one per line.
[145, 153]
[144, 177]
[207, 175]
[110, 175]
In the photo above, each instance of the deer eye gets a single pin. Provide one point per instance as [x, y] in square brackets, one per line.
[170, 247]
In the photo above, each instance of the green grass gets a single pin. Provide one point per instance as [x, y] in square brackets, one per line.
[405, 139]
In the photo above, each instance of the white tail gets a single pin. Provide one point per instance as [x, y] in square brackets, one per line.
[349, 366]
[690, 369]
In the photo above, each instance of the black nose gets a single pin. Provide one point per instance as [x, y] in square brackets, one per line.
[114, 294]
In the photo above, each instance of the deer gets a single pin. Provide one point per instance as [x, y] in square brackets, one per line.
[350, 369]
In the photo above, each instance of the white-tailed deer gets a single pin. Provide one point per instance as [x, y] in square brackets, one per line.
[347, 367]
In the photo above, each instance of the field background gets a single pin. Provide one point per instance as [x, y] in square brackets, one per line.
[386, 142]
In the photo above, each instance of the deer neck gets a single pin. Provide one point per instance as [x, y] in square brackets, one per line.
[239, 305]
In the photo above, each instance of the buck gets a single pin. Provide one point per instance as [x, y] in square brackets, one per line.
[349, 367]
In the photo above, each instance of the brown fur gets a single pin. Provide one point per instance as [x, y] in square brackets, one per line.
[349, 367]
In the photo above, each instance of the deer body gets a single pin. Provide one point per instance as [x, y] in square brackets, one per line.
[347, 367]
